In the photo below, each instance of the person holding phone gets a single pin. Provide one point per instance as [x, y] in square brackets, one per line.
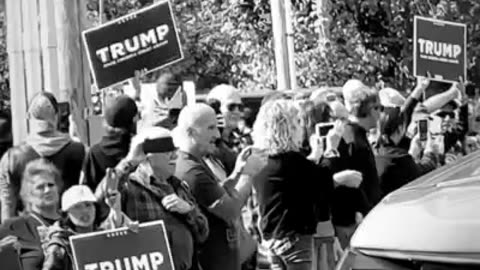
[293, 190]
[396, 166]
[149, 191]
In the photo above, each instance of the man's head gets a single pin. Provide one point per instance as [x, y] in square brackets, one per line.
[230, 103]
[363, 103]
[351, 86]
[167, 85]
[162, 160]
[122, 113]
[448, 115]
[43, 112]
[197, 129]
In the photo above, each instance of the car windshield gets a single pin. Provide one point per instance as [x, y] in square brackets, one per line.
[466, 167]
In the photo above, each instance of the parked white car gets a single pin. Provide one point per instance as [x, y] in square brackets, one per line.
[432, 223]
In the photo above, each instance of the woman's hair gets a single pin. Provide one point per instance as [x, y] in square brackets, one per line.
[36, 167]
[391, 119]
[312, 113]
[359, 101]
[277, 128]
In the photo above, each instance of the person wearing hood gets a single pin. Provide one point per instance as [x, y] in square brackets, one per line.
[120, 122]
[395, 165]
[43, 141]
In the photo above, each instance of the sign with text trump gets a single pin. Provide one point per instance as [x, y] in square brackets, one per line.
[122, 249]
[439, 48]
[144, 40]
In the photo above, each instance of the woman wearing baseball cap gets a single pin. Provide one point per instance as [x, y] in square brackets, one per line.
[82, 215]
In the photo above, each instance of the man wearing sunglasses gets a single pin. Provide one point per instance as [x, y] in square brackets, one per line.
[227, 103]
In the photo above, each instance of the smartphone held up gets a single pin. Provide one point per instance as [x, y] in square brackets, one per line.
[423, 129]
[322, 129]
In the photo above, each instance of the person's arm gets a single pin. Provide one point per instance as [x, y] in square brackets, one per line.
[427, 164]
[438, 101]
[115, 219]
[122, 171]
[215, 198]
[8, 202]
[413, 99]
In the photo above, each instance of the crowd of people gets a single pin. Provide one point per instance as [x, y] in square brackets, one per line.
[234, 193]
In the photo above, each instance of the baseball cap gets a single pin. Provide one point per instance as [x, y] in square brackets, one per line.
[121, 112]
[76, 194]
[390, 97]
[225, 94]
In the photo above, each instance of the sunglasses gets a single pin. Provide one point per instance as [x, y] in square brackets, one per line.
[444, 114]
[379, 108]
[232, 106]
[331, 97]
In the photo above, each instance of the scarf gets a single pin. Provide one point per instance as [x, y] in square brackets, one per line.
[45, 139]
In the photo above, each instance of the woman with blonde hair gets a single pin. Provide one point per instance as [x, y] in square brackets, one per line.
[40, 193]
[292, 190]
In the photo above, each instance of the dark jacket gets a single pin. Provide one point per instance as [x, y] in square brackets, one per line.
[142, 196]
[397, 168]
[293, 195]
[26, 229]
[223, 218]
[355, 154]
[105, 154]
[68, 160]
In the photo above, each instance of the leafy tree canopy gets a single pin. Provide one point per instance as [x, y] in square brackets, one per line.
[231, 40]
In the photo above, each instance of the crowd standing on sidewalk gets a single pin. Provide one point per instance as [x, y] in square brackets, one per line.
[234, 193]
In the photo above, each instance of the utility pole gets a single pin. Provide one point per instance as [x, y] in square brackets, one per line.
[283, 44]
[324, 8]
[290, 44]
[45, 54]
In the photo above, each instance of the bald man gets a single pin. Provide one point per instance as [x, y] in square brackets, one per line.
[220, 199]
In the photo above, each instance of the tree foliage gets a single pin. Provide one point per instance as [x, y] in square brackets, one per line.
[231, 40]
[372, 39]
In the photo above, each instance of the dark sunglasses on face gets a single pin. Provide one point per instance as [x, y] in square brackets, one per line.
[331, 97]
[444, 114]
[232, 106]
[379, 108]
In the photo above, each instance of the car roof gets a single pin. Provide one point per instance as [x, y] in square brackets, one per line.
[439, 212]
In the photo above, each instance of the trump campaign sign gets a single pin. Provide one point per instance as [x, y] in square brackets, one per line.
[122, 249]
[440, 49]
[143, 40]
